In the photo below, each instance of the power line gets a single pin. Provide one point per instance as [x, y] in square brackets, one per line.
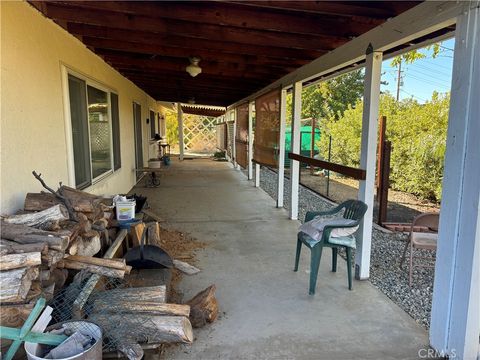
[415, 96]
[446, 87]
[430, 77]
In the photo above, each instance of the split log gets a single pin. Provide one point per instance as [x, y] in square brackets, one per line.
[27, 235]
[16, 284]
[55, 213]
[203, 307]
[95, 269]
[136, 232]
[50, 225]
[156, 294]
[185, 267]
[119, 264]
[15, 261]
[88, 244]
[11, 247]
[52, 257]
[57, 277]
[81, 201]
[40, 201]
[153, 329]
[44, 275]
[140, 307]
[153, 233]
[73, 246]
[15, 315]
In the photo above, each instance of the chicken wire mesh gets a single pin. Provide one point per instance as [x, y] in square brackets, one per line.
[105, 301]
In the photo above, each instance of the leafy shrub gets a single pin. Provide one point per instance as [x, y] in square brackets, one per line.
[418, 136]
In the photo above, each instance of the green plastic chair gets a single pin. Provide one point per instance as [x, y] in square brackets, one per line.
[353, 210]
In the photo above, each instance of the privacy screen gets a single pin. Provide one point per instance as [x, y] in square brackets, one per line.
[241, 136]
[222, 136]
[267, 129]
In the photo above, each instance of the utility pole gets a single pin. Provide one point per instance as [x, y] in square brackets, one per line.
[399, 79]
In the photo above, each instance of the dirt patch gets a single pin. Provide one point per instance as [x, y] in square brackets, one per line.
[181, 247]
[402, 207]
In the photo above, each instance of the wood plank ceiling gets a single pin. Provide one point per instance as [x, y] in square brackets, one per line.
[243, 46]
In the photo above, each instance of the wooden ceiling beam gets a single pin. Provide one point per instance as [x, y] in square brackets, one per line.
[236, 15]
[338, 8]
[185, 52]
[164, 28]
[202, 99]
[208, 67]
[194, 44]
[181, 85]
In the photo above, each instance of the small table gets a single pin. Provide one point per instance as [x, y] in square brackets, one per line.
[152, 180]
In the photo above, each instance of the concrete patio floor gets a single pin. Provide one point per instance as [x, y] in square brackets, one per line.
[265, 309]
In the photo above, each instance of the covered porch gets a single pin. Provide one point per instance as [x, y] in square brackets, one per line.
[137, 53]
[265, 309]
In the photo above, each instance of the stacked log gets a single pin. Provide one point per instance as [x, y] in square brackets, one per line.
[34, 243]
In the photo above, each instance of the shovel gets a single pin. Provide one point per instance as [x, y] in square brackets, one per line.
[148, 256]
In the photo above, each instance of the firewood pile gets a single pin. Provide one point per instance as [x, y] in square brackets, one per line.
[70, 232]
[56, 231]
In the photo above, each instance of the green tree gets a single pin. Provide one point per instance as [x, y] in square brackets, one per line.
[330, 98]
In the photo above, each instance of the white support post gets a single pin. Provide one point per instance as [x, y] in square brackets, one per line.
[371, 99]
[257, 175]
[181, 143]
[250, 140]
[455, 318]
[294, 164]
[281, 148]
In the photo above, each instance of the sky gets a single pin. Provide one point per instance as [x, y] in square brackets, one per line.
[424, 76]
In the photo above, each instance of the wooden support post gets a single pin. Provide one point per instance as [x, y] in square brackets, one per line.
[382, 194]
[455, 319]
[181, 142]
[281, 148]
[295, 165]
[257, 175]
[250, 140]
[367, 158]
[382, 130]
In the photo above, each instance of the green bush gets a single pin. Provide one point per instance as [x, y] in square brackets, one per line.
[418, 136]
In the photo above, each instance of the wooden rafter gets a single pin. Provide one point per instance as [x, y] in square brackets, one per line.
[243, 46]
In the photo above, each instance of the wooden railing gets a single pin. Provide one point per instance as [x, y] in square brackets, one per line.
[355, 173]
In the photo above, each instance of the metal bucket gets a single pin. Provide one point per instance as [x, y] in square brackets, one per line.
[34, 350]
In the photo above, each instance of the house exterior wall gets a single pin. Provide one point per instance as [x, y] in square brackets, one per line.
[34, 54]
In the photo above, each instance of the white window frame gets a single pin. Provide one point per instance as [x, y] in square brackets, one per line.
[66, 71]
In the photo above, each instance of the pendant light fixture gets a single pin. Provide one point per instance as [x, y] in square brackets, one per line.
[193, 69]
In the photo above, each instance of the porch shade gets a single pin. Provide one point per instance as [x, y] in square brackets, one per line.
[267, 129]
[230, 138]
[241, 136]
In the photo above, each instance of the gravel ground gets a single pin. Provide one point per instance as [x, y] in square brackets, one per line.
[387, 249]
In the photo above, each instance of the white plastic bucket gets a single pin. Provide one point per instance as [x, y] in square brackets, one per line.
[125, 210]
[94, 353]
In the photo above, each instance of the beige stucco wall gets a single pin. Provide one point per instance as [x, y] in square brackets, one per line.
[33, 50]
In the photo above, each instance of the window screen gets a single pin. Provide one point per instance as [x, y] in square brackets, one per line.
[152, 124]
[117, 161]
[100, 136]
[78, 114]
